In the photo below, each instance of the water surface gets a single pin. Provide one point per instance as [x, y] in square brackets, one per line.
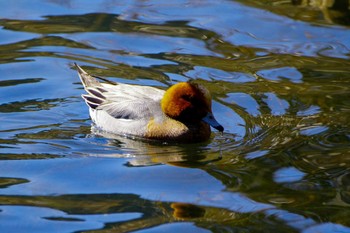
[279, 75]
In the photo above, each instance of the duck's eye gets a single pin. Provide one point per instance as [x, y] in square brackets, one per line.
[193, 100]
[187, 98]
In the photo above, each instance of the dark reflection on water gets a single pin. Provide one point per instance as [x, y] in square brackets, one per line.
[316, 12]
[279, 75]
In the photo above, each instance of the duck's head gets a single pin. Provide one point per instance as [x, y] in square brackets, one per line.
[189, 102]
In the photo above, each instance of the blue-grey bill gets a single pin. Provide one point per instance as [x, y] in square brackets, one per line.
[210, 119]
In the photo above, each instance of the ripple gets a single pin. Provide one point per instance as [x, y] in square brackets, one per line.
[311, 110]
[39, 219]
[322, 153]
[343, 184]
[277, 105]
[313, 130]
[257, 154]
[336, 138]
[276, 74]
[212, 74]
[243, 100]
[280, 200]
[8, 181]
[327, 227]
[288, 175]
[148, 153]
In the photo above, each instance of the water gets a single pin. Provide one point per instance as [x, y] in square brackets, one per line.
[279, 75]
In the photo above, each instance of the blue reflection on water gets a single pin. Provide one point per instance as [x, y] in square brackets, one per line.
[175, 227]
[327, 227]
[276, 74]
[288, 174]
[39, 219]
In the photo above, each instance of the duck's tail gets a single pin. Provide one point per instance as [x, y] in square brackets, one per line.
[86, 79]
[94, 89]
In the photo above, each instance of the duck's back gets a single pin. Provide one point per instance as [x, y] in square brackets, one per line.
[126, 109]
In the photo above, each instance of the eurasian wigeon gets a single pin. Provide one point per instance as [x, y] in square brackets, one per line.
[182, 113]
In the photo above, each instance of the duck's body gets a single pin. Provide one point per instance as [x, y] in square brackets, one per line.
[148, 112]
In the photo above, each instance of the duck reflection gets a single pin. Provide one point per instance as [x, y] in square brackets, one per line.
[148, 153]
[187, 211]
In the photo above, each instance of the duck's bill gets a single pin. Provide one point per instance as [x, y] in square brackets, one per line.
[210, 119]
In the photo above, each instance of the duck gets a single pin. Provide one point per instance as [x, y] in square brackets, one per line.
[182, 113]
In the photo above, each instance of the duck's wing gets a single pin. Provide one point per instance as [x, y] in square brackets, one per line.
[131, 102]
[121, 101]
